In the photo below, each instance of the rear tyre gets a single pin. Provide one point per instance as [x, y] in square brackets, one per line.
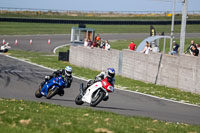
[96, 100]
[78, 100]
[51, 92]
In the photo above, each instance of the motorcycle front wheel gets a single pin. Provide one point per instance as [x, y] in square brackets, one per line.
[97, 99]
[38, 93]
[52, 93]
[78, 100]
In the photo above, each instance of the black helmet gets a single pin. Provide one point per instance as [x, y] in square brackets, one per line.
[110, 72]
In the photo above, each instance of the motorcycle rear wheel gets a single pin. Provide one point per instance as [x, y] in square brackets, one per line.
[51, 93]
[96, 100]
[78, 100]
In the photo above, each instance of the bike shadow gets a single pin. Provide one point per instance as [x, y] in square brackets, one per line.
[117, 108]
[64, 100]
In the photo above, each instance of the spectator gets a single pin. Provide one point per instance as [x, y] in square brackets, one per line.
[107, 45]
[132, 46]
[94, 44]
[194, 50]
[98, 39]
[198, 46]
[155, 47]
[89, 43]
[190, 46]
[86, 42]
[175, 49]
[102, 45]
[146, 48]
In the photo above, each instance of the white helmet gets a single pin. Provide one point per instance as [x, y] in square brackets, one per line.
[68, 70]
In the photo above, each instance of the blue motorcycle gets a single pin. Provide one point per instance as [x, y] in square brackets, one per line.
[52, 87]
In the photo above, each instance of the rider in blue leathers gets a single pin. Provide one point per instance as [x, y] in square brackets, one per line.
[66, 75]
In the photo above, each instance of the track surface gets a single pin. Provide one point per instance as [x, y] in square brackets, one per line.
[20, 80]
[40, 42]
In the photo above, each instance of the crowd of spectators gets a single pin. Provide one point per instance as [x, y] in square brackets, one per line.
[98, 43]
[193, 48]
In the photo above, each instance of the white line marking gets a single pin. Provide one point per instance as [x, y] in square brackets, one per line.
[156, 97]
[54, 50]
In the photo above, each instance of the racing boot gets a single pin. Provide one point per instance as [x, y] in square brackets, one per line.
[61, 92]
[106, 98]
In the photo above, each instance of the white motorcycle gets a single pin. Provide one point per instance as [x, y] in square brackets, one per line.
[5, 48]
[95, 93]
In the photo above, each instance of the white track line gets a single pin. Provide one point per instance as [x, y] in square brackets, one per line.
[116, 88]
[54, 50]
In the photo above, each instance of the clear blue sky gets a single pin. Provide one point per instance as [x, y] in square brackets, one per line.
[101, 5]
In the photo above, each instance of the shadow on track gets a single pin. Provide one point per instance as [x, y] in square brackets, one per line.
[115, 108]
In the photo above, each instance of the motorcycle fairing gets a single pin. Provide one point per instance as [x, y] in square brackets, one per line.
[57, 82]
[88, 95]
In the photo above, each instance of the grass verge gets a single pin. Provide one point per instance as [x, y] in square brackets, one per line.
[14, 28]
[130, 84]
[18, 116]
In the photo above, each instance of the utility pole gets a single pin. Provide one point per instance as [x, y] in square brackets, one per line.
[172, 26]
[183, 26]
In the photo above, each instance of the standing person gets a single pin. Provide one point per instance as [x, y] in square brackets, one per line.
[132, 46]
[98, 39]
[94, 44]
[107, 45]
[86, 42]
[175, 49]
[190, 46]
[155, 47]
[147, 48]
[198, 46]
[194, 51]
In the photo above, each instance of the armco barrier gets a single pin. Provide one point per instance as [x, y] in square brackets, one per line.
[173, 71]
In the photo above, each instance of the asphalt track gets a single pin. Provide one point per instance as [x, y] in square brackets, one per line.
[40, 42]
[20, 80]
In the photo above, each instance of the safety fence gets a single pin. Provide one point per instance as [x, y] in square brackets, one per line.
[173, 71]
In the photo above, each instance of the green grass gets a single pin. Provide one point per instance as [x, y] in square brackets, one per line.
[130, 84]
[62, 49]
[18, 116]
[93, 16]
[14, 28]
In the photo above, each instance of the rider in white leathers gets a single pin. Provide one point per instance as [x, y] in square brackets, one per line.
[109, 74]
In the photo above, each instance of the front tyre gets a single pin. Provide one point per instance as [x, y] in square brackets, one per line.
[52, 93]
[38, 94]
[78, 100]
[97, 99]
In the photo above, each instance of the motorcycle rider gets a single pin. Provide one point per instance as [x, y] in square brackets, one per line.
[66, 75]
[109, 75]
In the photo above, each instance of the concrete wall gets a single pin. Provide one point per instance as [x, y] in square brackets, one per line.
[96, 58]
[180, 72]
[140, 66]
[175, 71]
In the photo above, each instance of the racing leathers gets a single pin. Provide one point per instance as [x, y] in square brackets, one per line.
[101, 76]
[66, 77]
